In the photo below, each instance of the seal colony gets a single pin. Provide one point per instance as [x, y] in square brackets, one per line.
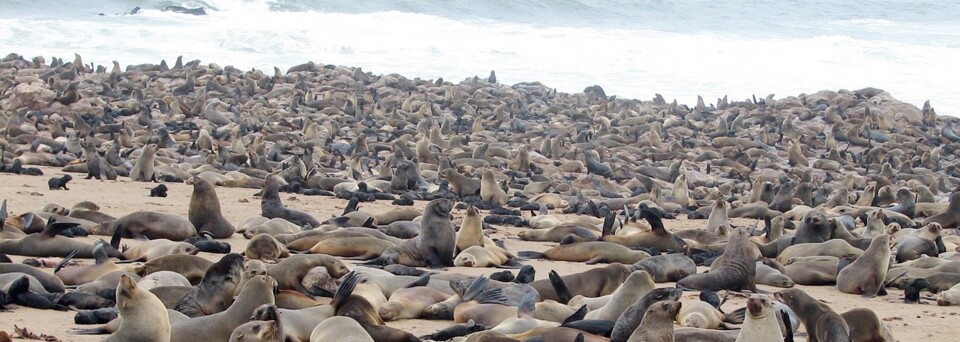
[848, 188]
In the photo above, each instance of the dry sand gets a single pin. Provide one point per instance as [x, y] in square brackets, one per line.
[909, 322]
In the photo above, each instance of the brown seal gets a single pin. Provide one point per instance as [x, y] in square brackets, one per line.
[48, 244]
[156, 248]
[190, 266]
[272, 207]
[265, 247]
[434, 246]
[143, 316]
[950, 217]
[657, 324]
[359, 247]
[340, 328]
[866, 326]
[866, 275]
[821, 322]
[215, 292]
[594, 282]
[289, 273]
[658, 237]
[734, 270]
[148, 225]
[590, 252]
[204, 211]
[461, 185]
[219, 326]
[408, 303]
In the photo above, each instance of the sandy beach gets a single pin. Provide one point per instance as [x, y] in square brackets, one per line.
[909, 322]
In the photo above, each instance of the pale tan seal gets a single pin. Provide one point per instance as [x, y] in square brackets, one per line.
[144, 318]
[471, 230]
[657, 323]
[340, 329]
[142, 171]
[760, 323]
[490, 191]
[265, 247]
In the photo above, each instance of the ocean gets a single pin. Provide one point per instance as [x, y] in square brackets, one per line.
[633, 49]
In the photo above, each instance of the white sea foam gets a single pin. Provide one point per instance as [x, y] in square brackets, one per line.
[630, 60]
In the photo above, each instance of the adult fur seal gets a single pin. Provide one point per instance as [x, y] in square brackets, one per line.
[148, 225]
[48, 243]
[734, 270]
[760, 323]
[434, 246]
[142, 171]
[289, 273]
[215, 292]
[865, 276]
[143, 316]
[219, 326]
[821, 322]
[204, 212]
[271, 207]
[590, 252]
[594, 282]
[657, 324]
[667, 267]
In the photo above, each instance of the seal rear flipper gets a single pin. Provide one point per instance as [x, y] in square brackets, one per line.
[607, 224]
[64, 261]
[475, 288]
[563, 293]
[577, 315]
[597, 327]
[530, 255]
[319, 292]
[345, 290]
[4, 259]
[494, 296]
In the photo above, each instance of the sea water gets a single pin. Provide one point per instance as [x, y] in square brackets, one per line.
[635, 49]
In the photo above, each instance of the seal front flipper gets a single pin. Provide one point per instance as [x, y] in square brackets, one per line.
[788, 326]
[345, 290]
[577, 315]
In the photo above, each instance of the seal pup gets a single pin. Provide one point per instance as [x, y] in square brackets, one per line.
[865, 276]
[58, 183]
[142, 316]
[271, 207]
[734, 270]
[204, 211]
[821, 322]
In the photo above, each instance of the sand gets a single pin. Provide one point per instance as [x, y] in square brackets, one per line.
[909, 322]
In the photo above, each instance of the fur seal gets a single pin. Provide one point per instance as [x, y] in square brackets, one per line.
[219, 326]
[408, 303]
[289, 272]
[49, 244]
[143, 316]
[471, 230]
[148, 225]
[760, 323]
[866, 326]
[271, 207]
[190, 266]
[58, 183]
[657, 323]
[591, 252]
[340, 328]
[821, 322]
[667, 267]
[142, 171]
[490, 191]
[638, 284]
[950, 217]
[265, 247]
[658, 237]
[866, 275]
[734, 270]
[216, 289]
[434, 246]
[157, 248]
[594, 282]
[204, 211]
[158, 191]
